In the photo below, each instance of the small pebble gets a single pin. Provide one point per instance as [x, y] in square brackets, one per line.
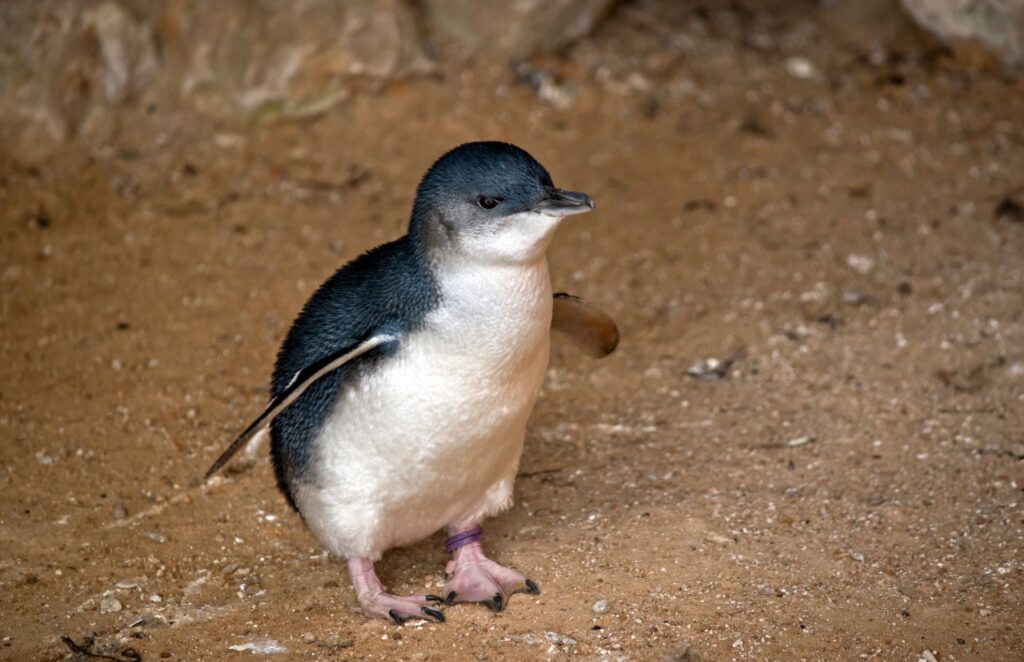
[118, 511]
[110, 605]
[861, 264]
[600, 607]
[800, 67]
[799, 441]
[42, 457]
[854, 297]
[156, 537]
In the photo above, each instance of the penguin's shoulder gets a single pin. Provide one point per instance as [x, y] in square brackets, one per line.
[388, 289]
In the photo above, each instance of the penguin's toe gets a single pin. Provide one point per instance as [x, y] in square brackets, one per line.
[496, 603]
[399, 609]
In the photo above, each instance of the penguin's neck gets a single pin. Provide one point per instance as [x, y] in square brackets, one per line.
[495, 288]
[495, 316]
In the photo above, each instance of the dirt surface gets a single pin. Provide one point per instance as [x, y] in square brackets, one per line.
[835, 212]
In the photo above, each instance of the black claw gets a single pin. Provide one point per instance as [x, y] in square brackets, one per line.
[395, 617]
[532, 588]
[495, 603]
[450, 599]
[434, 613]
[430, 597]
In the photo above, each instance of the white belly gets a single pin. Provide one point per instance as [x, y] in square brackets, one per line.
[433, 437]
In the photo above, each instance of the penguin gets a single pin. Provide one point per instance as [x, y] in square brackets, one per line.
[401, 392]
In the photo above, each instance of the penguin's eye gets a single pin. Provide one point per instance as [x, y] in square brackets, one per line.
[487, 202]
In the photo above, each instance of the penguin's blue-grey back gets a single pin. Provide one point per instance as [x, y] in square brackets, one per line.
[389, 289]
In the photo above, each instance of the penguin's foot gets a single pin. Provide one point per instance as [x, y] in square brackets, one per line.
[475, 578]
[375, 602]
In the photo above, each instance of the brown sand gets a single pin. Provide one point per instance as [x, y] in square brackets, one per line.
[851, 489]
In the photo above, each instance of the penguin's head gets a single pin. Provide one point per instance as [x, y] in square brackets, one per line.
[491, 202]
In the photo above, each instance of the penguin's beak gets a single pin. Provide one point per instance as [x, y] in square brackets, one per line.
[559, 202]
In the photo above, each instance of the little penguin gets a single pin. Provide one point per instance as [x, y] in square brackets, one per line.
[401, 393]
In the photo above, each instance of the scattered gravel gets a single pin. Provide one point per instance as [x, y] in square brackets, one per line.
[260, 647]
[560, 639]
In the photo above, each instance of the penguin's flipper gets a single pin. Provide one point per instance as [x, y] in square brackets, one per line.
[585, 324]
[302, 380]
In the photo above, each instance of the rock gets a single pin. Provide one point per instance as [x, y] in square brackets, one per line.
[600, 607]
[996, 24]
[110, 605]
[290, 60]
[66, 66]
[516, 30]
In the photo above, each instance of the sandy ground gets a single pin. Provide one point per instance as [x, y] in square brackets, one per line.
[849, 232]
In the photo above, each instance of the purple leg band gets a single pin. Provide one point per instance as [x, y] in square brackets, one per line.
[464, 538]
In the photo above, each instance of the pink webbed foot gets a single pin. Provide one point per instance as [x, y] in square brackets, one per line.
[475, 578]
[375, 602]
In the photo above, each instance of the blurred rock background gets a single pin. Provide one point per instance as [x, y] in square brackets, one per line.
[65, 65]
